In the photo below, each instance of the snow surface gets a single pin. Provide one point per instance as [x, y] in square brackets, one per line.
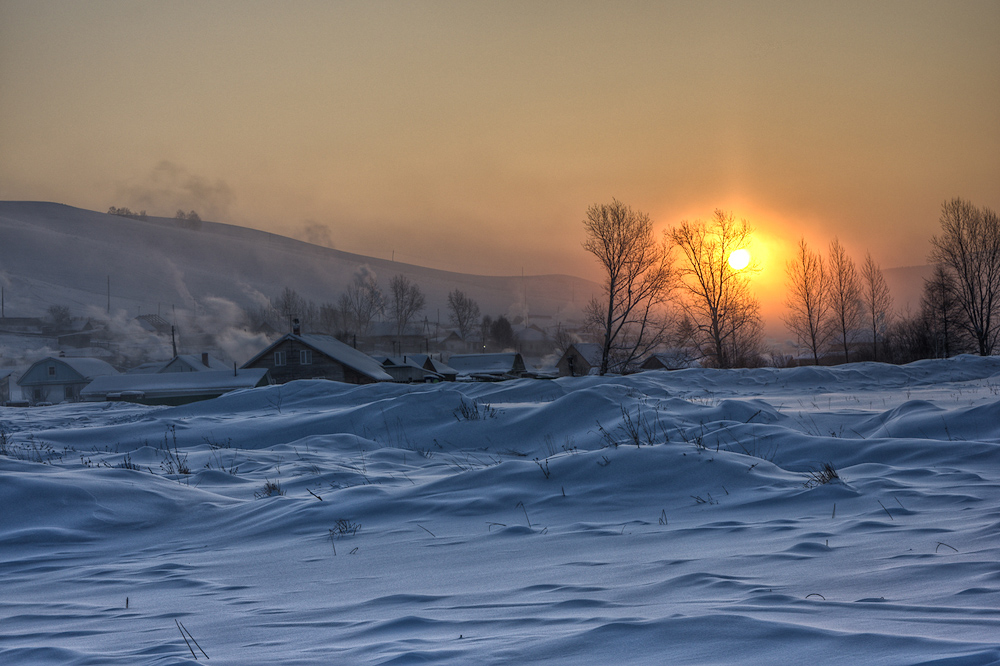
[518, 522]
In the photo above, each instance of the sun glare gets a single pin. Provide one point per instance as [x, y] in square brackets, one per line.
[739, 259]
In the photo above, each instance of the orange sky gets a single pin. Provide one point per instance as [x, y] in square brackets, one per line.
[473, 136]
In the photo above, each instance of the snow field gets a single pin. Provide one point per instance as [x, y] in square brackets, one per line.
[660, 518]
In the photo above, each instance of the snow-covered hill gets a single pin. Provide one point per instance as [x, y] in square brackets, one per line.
[52, 254]
[689, 517]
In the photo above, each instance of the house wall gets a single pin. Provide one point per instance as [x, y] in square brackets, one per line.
[52, 381]
[322, 366]
[579, 368]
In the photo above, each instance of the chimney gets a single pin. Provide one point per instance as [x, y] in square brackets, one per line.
[296, 327]
[204, 359]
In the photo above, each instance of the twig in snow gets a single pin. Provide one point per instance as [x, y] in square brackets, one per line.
[942, 543]
[816, 594]
[885, 509]
[521, 504]
[426, 530]
[314, 495]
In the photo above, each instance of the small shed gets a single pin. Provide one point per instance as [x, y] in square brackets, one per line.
[60, 379]
[417, 368]
[173, 388]
[488, 367]
[579, 359]
[676, 359]
[312, 356]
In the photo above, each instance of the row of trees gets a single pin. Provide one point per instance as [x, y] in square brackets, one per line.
[718, 315]
[832, 304]
[830, 301]
[363, 302]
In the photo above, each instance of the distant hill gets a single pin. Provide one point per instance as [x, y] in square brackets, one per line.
[53, 254]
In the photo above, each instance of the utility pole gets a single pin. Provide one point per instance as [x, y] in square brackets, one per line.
[109, 294]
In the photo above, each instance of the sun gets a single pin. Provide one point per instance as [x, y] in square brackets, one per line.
[739, 259]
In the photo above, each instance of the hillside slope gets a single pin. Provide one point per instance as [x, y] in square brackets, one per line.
[53, 254]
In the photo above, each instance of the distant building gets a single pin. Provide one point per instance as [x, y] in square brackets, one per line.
[533, 341]
[317, 357]
[676, 359]
[417, 368]
[488, 367]
[579, 359]
[172, 388]
[53, 379]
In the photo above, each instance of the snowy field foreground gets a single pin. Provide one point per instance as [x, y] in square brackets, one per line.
[680, 518]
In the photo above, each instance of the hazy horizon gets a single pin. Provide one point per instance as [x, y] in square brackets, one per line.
[473, 138]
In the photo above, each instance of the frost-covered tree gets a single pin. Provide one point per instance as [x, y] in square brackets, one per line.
[877, 302]
[725, 314]
[808, 299]
[463, 312]
[629, 319]
[969, 250]
[406, 301]
[845, 296]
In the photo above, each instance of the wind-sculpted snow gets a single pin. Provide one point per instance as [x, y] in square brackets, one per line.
[695, 517]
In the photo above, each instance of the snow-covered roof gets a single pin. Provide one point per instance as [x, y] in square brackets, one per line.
[335, 349]
[345, 354]
[466, 364]
[530, 334]
[86, 368]
[589, 351]
[173, 384]
[194, 362]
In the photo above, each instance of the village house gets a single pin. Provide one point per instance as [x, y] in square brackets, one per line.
[676, 359]
[173, 388]
[488, 367]
[579, 359]
[417, 368]
[60, 379]
[310, 356]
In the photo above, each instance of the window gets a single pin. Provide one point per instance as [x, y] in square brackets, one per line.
[305, 357]
[279, 358]
[52, 371]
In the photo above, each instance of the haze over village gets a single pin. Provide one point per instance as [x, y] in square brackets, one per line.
[438, 332]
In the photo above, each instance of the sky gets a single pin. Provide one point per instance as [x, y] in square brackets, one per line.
[473, 136]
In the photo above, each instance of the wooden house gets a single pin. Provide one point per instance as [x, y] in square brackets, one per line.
[579, 359]
[60, 379]
[676, 359]
[417, 368]
[311, 356]
[488, 367]
[173, 388]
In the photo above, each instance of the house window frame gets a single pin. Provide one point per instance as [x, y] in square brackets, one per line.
[52, 371]
[280, 358]
[305, 357]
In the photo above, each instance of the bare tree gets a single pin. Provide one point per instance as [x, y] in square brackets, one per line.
[969, 250]
[363, 300]
[808, 299]
[463, 313]
[877, 301]
[725, 314]
[845, 296]
[406, 301]
[638, 279]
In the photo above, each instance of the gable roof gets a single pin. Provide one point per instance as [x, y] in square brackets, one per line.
[589, 351]
[193, 361]
[173, 384]
[86, 368]
[486, 363]
[336, 350]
